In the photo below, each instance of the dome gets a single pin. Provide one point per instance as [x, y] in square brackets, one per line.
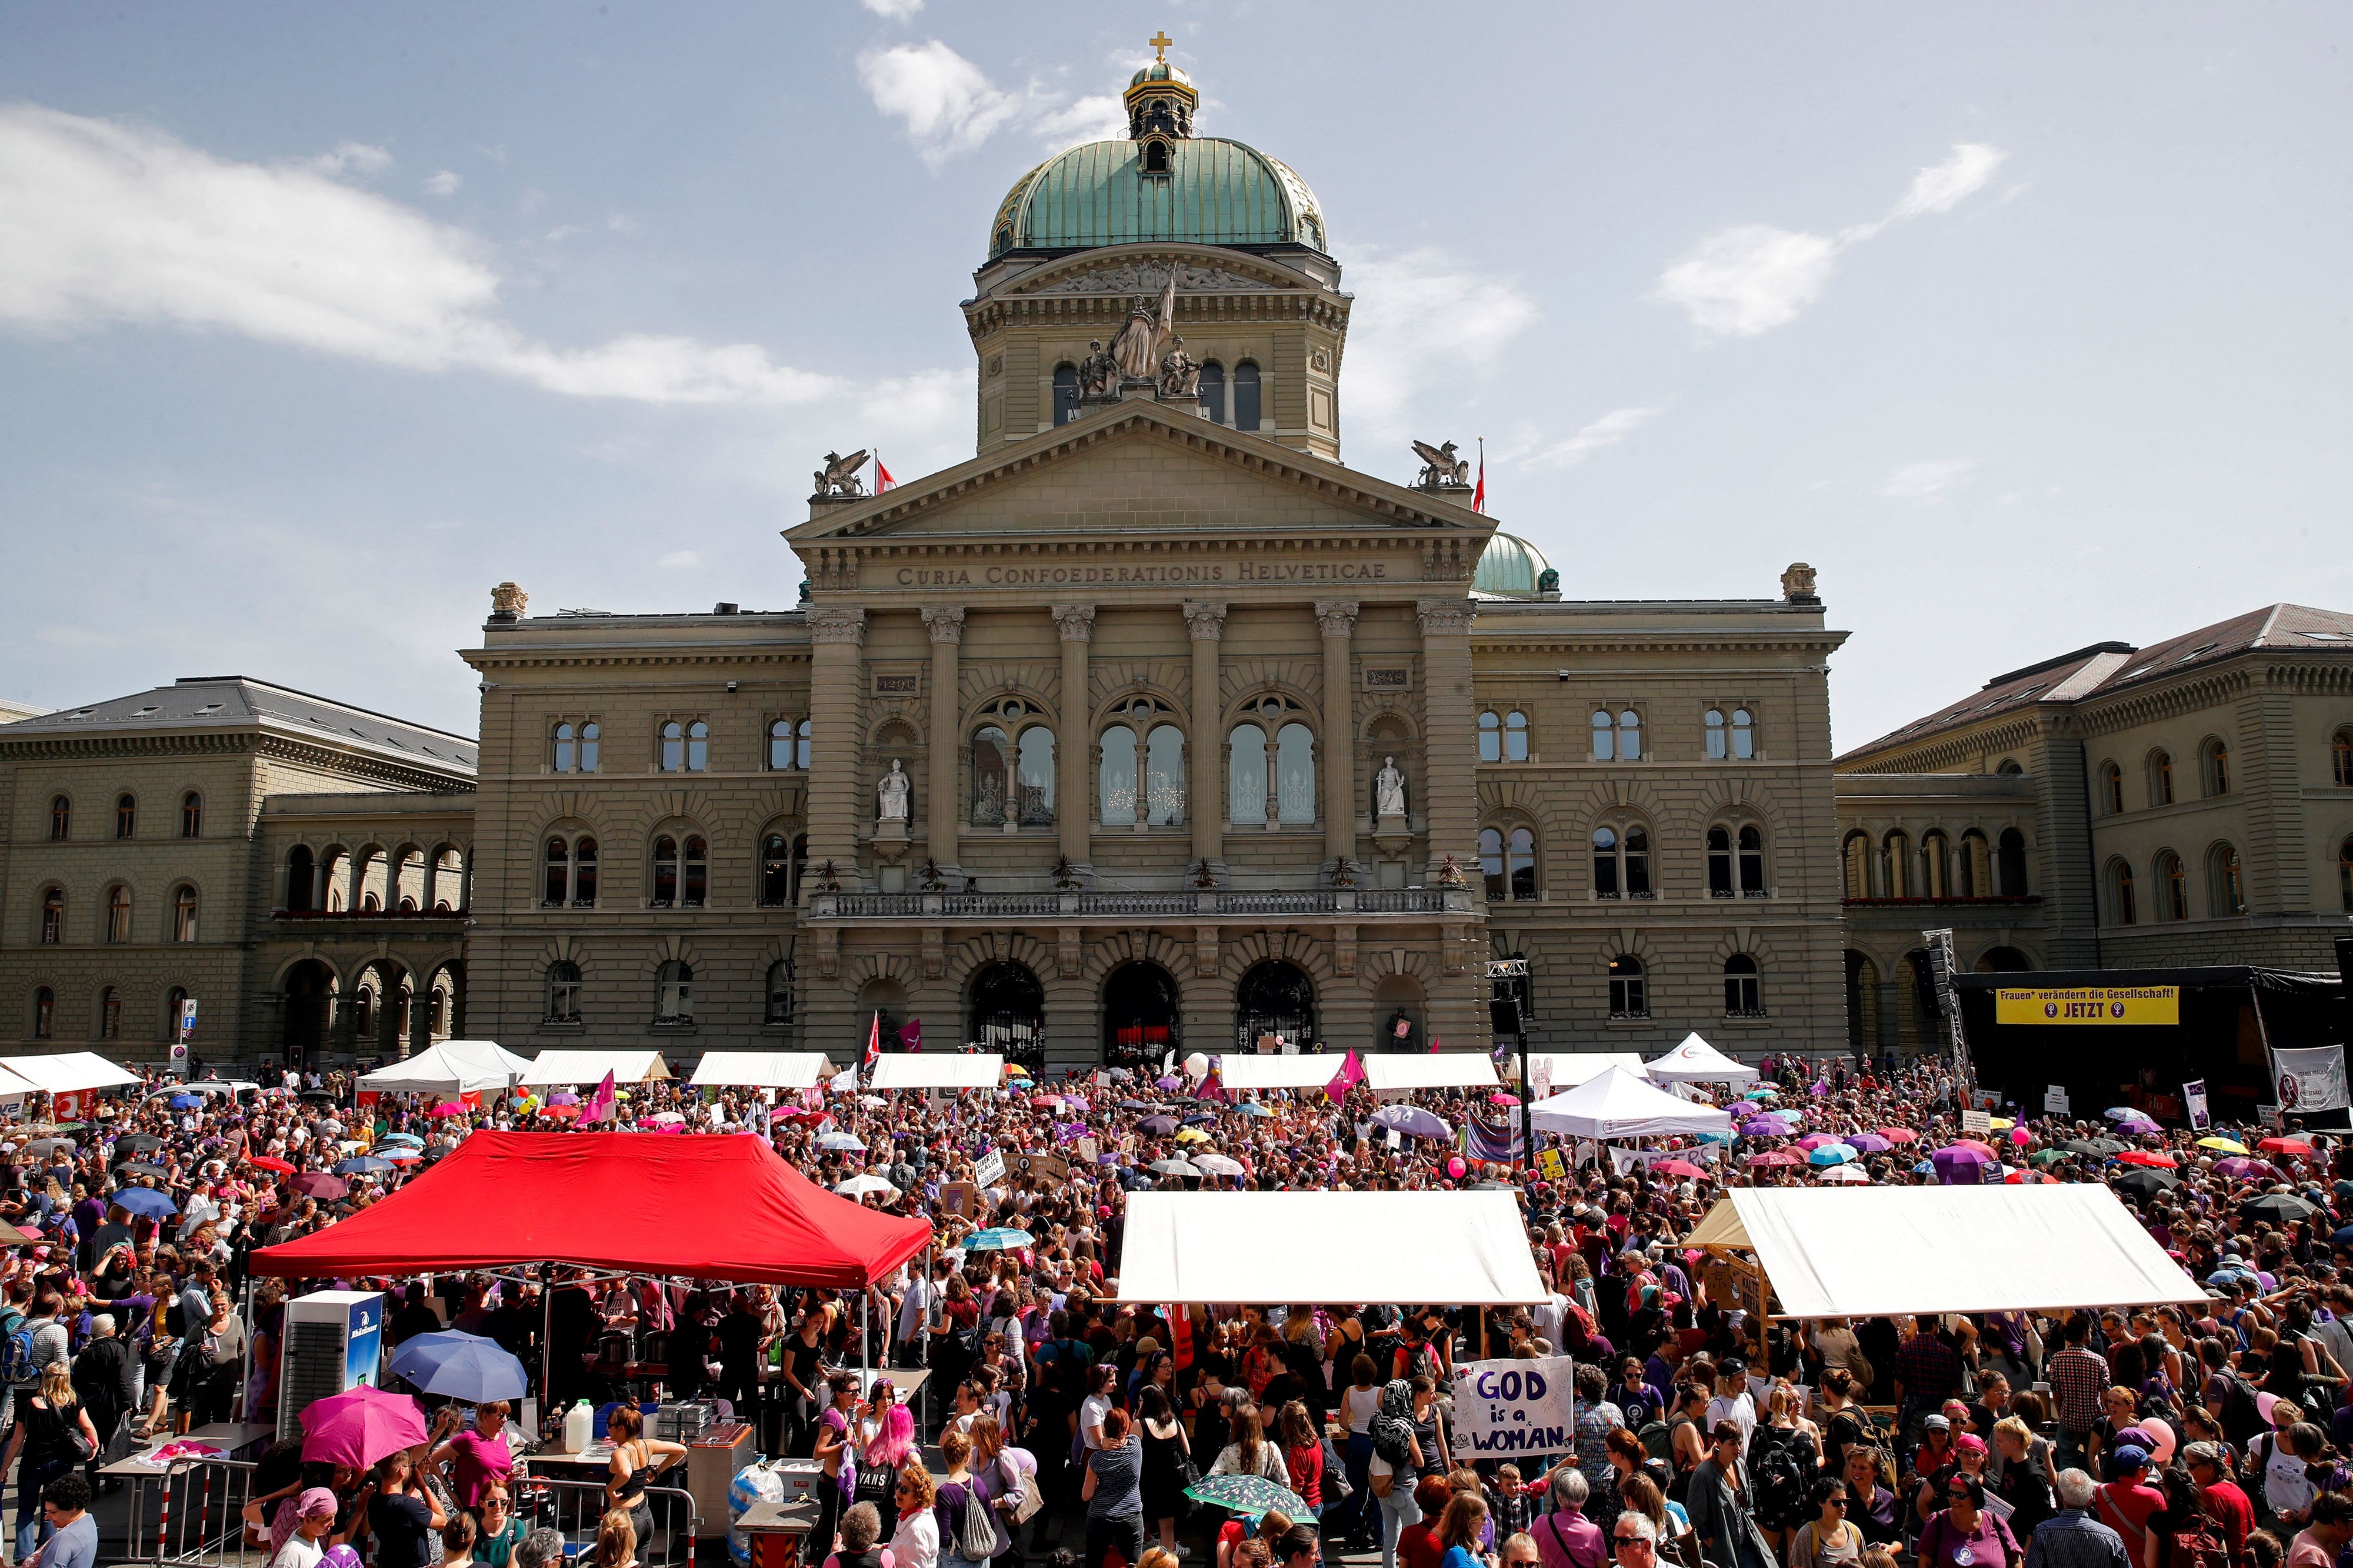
[1159, 71]
[1511, 567]
[1213, 191]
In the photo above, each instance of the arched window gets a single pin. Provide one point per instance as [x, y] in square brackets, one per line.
[192, 815]
[1630, 998]
[53, 917]
[677, 872]
[1515, 736]
[1856, 853]
[992, 775]
[698, 747]
[1213, 391]
[785, 745]
[44, 1013]
[2172, 888]
[571, 873]
[2214, 767]
[1936, 865]
[1743, 994]
[1034, 776]
[1735, 863]
[1735, 738]
[60, 819]
[2112, 789]
[174, 1001]
[2227, 880]
[2345, 875]
[1164, 775]
[2009, 768]
[1507, 860]
[2160, 779]
[1116, 778]
[109, 1014]
[1752, 861]
[1066, 393]
[1246, 776]
[364, 1011]
[1744, 734]
[1976, 866]
[1295, 773]
[126, 816]
[118, 913]
[183, 914]
[588, 746]
[693, 877]
[2122, 903]
[2340, 759]
[1895, 866]
[1246, 396]
[566, 758]
[563, 992]
[1617, 737]
[1491, 864]
[1491, 737]
[1621, 861]
[780, 992]
[685, 746]
[1521, 848]
[673, 747]
[301, 874]
[674, 993]
[2010, 867]
[776, 872]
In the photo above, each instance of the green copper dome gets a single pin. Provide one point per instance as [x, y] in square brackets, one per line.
[1215, 192]
[1511, 567]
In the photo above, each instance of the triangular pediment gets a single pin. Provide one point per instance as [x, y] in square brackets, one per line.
[1137, 467]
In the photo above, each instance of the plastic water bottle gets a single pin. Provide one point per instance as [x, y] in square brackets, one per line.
[579, 1428]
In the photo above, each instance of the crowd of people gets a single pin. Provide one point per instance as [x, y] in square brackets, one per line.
[1057, 1420]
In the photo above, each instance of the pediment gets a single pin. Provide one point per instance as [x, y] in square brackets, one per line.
[1138, 468]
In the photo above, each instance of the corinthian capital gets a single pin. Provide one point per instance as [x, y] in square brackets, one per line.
[1205, 618]
[837, 623]
[945, 622]
[1336, 618]
[1445, 617]
[1076, 623]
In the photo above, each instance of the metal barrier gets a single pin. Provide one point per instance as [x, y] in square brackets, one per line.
[198, 1507]
[576, 1508]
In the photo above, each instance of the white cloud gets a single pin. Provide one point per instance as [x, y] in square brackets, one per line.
[1926, 481]
[1748, 280]
[946, 102]
[1421, 318]
[104, 224]
[679, 559]
[1607, 431]
[1751, 278]
[351, 158]
[444, 182]
[896, 10]
[1097, 116]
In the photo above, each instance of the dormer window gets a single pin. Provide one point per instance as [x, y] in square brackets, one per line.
[1155, 157]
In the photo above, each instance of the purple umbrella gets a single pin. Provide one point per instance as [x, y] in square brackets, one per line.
[2239, 1166]
[563, 1097]
[1959, 1167]
[1156, 1126]
[359, 1427]
[1764, 1127]
[1869, 1142]
[1167, 1080]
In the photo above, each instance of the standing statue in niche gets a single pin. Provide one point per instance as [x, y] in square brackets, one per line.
[892, 791]
[1137, 348]
[1388, 790]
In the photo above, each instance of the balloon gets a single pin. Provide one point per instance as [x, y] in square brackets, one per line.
[1197, 1065]
[1456, 1168]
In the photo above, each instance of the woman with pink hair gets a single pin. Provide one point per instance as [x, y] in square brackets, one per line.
[884, 1440]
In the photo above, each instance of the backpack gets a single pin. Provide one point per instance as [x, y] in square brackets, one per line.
[975, 1536]
[1051, 1369]
[1781, 1478]
[1657, 1439]
[17, 1351]
[2242, 1418]
[2200, 1546]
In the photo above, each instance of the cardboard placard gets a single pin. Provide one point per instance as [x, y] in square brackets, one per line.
[2054, 1100]
[1977, 1123]
[1087, 1151]
[989, 1169]
[1041, 1165]
[955, 1198]
[1551, 1166]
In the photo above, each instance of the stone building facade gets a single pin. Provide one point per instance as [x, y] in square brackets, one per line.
[1150, 727]
[2118, 807]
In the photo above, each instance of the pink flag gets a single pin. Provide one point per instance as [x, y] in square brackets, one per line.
[1351, 1073]
[602, 1103]
[911, 1035]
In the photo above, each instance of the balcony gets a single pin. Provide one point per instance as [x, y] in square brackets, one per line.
[369, 923]
[1339, 902]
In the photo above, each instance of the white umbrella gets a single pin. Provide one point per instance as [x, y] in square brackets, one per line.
[1845, 1174]
[874, 1102]
[1217, 1165]
[858, 1186]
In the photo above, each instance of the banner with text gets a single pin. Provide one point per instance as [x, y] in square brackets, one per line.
[2193, 1095]
[2141, 1004]
[1515, 1406]
[2310, 1080]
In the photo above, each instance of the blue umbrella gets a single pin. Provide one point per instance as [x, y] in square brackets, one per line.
[997, 1240]
[362, 1165]
[1831, 1154]
[458, 1367]
[1252, 1109]
[411, 1138]
[146, 1201]
[185, 1101]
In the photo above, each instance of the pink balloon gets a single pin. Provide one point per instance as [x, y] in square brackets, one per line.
[1455, 1167]
[2021, 1135]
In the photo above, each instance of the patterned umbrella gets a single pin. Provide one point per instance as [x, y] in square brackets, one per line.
[998, 1240]
[1778, 1157]
[1252, 1495]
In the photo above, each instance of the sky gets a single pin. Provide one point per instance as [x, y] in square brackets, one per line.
[2026, 325]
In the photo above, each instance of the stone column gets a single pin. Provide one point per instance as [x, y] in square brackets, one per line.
[1336, 618]
[839, 799]
[1205, 619]
[946, 623]
[1075, 745]
[1449, 798]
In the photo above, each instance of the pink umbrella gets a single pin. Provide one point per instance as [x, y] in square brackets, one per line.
[1813, 1140]
[1502, 1099]
[450, 1108]
[1778, 1157]
[361, 1427]
[1682, 1168]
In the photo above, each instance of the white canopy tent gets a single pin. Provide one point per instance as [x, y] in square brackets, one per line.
[570, 1069]
[1239, 1070]
[63, 1072]
[1696, 1061]
[1402, 1074]
[1569, 1068]
[1617, 1104]
[978, 1070]
[2067, 1244]
[1470, 1248]
[762, 1070]
[453, 1067]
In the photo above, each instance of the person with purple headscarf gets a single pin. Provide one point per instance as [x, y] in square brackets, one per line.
[296, 1533]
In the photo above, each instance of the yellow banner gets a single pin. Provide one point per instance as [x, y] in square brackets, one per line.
[2141, 1004]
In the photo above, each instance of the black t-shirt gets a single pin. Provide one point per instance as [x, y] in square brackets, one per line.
[403, 1529]
[739, 1343]
[802, 1357]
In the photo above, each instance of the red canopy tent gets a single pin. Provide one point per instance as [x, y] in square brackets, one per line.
[705, 1207]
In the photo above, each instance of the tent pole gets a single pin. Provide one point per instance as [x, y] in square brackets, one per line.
[547, 1341]
[245, 1385]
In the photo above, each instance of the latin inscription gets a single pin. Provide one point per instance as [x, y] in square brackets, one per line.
[1112, 576]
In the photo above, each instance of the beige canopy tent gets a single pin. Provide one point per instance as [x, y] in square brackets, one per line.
[762, 1070]
[561, 1069]
[63, 1072]
[1465, 1249]
[1861, 1252]
[914, 1069]
[1242, 1070]
[1404, 1073]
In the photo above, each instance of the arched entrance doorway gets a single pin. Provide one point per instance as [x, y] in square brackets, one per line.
[889, 998]
[1398, 1001]
[1006, 1012]
[310, 997]
[1274, 998]
[2003, 960]
[1141, 1014]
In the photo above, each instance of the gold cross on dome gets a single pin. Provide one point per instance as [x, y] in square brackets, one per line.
[1160, 41]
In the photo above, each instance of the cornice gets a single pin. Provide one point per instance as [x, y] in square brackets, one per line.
[674, 654]
[1657, 641]
[1937, 753]
[1105, 313]
[351, 764]
[149, 744]
[2106, 715]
